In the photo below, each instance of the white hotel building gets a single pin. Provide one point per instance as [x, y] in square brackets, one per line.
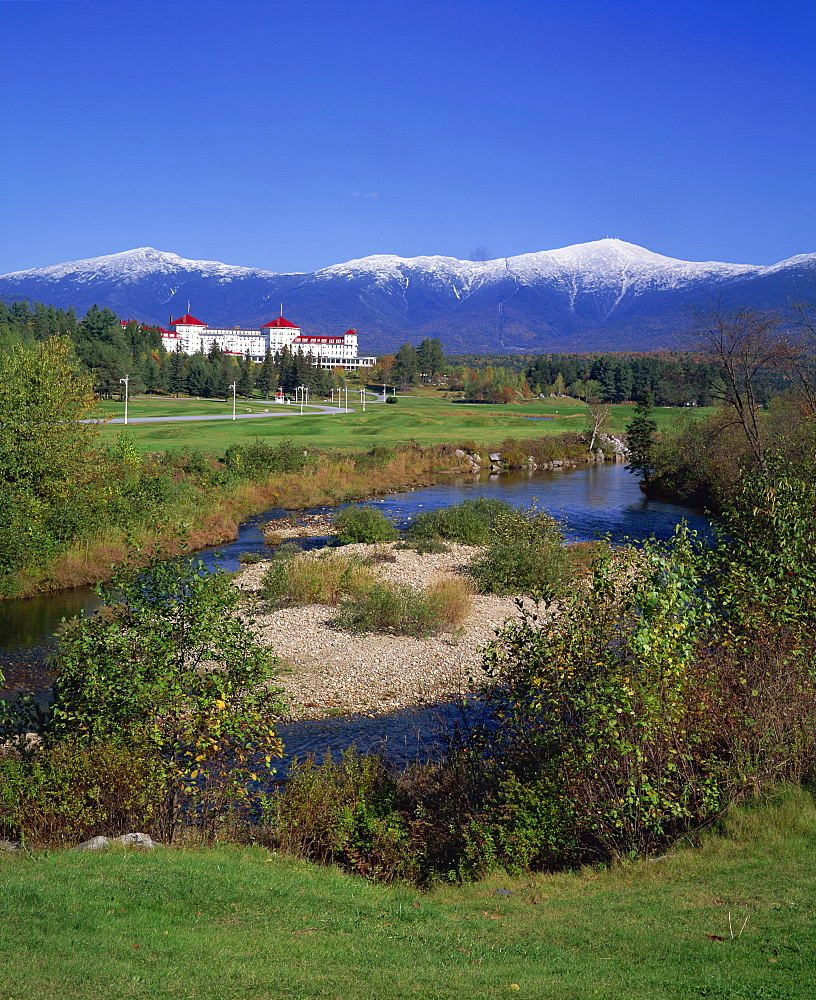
[190, 336]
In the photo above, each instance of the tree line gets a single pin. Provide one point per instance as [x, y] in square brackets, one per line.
[110, 350]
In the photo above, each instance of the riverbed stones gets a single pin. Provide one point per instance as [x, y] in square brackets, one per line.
[331, 672]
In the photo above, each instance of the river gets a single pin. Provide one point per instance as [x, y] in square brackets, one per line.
[591, 502]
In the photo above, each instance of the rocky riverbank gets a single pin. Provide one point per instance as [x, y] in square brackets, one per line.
[327, 671]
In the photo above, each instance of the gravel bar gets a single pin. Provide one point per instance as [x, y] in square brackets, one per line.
[329, 672]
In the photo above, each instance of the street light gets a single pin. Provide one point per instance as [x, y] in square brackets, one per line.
[362, 398]
[347, 409]
[304, 394]
[126, 379]
[234, 388]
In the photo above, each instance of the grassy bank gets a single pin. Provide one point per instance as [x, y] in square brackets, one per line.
[234, 923]
[209, 515]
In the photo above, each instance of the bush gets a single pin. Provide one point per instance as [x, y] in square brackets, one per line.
[303, 578]
[363, 524]
[68, 792]
[397, 609]
[169, 666]
[678, 680]
[259, 460]
[342, 812]
[526, 555]
[391, 399]
[469, 523]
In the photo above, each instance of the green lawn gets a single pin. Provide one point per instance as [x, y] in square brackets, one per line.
[231, 923]
[426, 417]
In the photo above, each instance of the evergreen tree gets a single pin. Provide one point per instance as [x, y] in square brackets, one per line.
[246, 378]
[267, 378]
[640, 433]
[431, 358]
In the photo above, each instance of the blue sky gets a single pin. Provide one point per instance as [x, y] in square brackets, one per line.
[294, 135]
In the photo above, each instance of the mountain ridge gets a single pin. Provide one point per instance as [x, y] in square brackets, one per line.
[603, 295]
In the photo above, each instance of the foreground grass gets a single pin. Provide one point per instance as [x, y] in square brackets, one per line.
[229, 923]
[425, 416]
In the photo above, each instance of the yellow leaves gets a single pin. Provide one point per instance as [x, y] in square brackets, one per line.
[220, 705]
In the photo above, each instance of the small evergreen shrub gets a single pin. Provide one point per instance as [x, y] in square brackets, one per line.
[363, 524]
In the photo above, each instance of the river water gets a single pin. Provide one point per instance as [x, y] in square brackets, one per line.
[592, 502]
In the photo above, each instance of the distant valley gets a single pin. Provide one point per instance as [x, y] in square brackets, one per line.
[607, 295]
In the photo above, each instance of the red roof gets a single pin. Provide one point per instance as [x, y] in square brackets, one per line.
[349, 331]
[280, 321]
[188, 320]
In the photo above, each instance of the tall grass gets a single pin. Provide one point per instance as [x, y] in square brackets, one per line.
[324, 578]
[397, 609]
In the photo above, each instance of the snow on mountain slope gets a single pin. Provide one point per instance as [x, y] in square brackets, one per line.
[133, 265]
[607, 294]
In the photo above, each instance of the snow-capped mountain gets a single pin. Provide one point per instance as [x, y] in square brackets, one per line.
[604, 295]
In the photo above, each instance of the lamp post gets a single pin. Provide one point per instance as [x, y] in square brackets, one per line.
[347, 399]
[303, 390]
[126, 379]
[234, 387]
[362, 398]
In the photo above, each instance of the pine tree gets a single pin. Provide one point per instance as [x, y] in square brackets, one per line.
[267, 378]
[640, 433]
[246, 379]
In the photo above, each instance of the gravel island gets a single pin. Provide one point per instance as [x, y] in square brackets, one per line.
[329, 672]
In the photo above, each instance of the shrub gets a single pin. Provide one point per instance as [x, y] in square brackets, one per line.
[526, 555]
[364, 524]
[68, 792]
[303, 578]
[259, 460]
[469, 523]
[169, 666]
[342, 812]
[397, 609]
[391, 399]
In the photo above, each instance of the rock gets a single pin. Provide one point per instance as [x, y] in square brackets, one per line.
[459, 453]
[496, 468]
[128, 839]
[599, 455]
[556, 463]
[94, 844]
[495, 456]
[136, 840]
[476, 459]
[9, 845]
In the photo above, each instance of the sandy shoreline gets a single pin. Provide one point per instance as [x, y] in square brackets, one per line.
[328, 672]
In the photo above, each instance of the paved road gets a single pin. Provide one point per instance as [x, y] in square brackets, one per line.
[316, 411]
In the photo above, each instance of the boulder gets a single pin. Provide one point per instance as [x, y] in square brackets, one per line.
[94, 844]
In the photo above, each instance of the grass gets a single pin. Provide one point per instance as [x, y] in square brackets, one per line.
[425, 415]
[225, 924]
[397, 609]
[306, 578]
